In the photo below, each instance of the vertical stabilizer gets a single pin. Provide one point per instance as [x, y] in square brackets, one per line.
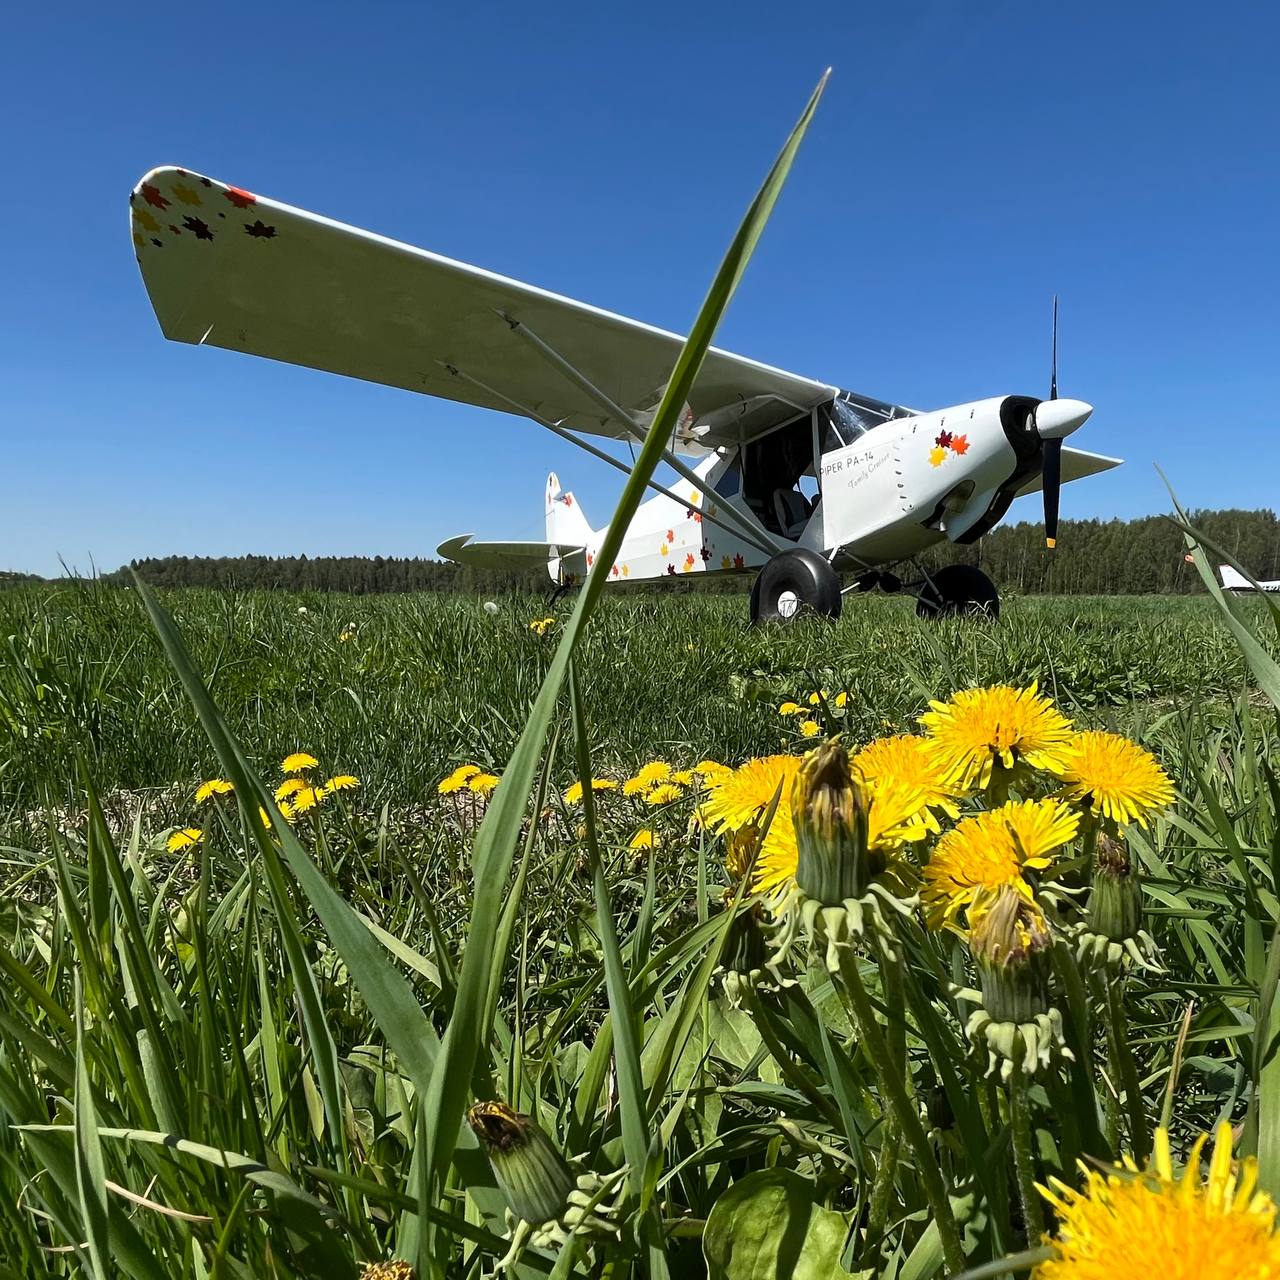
[566, 525]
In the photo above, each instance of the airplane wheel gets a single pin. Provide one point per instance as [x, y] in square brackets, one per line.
[792, 582]
[959, 590]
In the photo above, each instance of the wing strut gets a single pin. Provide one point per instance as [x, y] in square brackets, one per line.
[617, 412]
[555, 428]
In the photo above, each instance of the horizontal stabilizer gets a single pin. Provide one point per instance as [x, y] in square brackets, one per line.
[501, 555]
[1076, 465]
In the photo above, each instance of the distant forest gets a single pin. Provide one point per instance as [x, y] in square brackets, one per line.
[1094, 557]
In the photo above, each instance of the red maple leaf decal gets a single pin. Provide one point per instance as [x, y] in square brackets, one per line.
[671, 535]
[671, 568]
[568, 499]
[240, 198]
[590, 558]
[706, 554]
[944, 440]
[960, 445]
[739, 562]
[689, 560]
[614, 571]
[153, 197]
[697, 517]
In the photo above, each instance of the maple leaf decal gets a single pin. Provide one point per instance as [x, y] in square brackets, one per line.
[671, 568]
[706, 554]
[739, 562]
[198, 227]
[240, 198]
[185, 194]
[960, 445]
[260, 230]
[936, 456]
[944, 440]
[153, 197]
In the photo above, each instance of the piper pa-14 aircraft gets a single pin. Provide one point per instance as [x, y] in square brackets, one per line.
[793, 479]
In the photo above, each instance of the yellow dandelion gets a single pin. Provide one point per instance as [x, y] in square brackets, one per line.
[654, 771]
[306, 798]
[288, 787]
[482, 783]
[791, 709]
[458, 779]
[573, 793]
[1126, 1224]
[739, 849]
[910, 759]
[643, 839]
[740, 796]
[299, 762]
[1116, 777]
[990, 849]
[979, 728]
[684, 777]
[214, 787]
[663, 793]
[810, 729]
[842, 699]
[816, 699]
[711, 768]
[184, 839]
[341, 782]
[891, 809]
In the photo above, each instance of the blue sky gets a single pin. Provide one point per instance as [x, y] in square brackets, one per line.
[968, 161]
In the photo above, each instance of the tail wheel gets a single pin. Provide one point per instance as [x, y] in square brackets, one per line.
[958, 590]
[793, 582]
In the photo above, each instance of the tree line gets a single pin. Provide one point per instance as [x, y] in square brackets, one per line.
[1094, 557]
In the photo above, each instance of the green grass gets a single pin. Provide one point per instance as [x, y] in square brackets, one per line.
[430, 681]
[200, 1002]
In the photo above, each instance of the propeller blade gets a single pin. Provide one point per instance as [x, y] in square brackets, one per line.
[1053, 363]
[1052, 467]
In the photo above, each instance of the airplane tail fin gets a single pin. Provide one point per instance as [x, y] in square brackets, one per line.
[566, 525]
[1232, 580]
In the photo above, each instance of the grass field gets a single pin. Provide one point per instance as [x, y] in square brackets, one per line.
[220, 1059]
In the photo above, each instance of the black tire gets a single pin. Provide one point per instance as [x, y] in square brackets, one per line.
[959, 590]
[793, 582]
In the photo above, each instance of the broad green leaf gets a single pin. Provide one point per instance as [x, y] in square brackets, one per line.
[770, 1226]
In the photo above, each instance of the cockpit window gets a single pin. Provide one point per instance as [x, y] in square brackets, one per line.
[729, 485]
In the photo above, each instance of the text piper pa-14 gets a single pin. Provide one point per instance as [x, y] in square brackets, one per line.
[795, 480]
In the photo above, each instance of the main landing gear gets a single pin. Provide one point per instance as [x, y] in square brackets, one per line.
[792, 582]
[801, 580]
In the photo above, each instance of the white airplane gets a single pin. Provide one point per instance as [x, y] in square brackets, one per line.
[1234, 580]
[793, 479]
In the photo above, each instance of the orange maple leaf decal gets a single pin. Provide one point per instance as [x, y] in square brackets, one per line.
[960, 444]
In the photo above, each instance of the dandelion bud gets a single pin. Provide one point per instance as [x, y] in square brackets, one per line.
[1115, 901]
[830, 814]
[533, 1175]
[745, 948]
[1010, 942]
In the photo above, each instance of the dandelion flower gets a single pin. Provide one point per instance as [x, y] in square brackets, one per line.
[1129, 1223]
[739, 797]
[1116, 777]
[306, 798]
[643, 839]
[184, 839]
[214, 787]
[654, 771]
[909, 759]
[991, 849]
[482, 783]
[842, 699]
[341, 782]
[663, 793]
[791, 709]
[809, 729]
[815, 699]
[980, 728]
[573, 793]
[299, 762]
[457, 779]
[288, 787]
[711, 768]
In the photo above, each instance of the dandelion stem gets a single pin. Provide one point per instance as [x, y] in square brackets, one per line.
[882, 1186]
[1023, 1152]
[1125, 1070]
[893, 1087]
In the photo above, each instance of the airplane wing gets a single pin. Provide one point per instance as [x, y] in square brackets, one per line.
[501, 555]
[227, 268]
[1076, 464]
